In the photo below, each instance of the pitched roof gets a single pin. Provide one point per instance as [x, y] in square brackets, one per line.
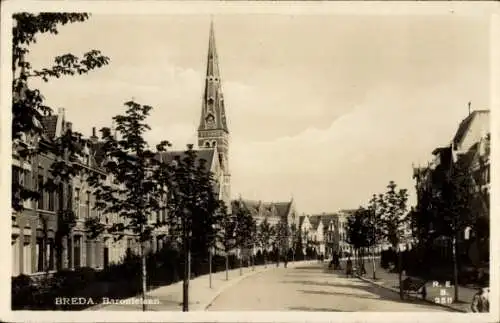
[314, 220]
[98, 152]
[201, 154]
[325, 218]
[49, 124]
[253, 206]
[301, 220]
[282, 208]
[465, 125]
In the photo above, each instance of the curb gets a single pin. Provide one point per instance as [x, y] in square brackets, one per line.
[230, 284]
[425, 300]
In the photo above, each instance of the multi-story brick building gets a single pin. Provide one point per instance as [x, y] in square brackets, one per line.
[471, 147]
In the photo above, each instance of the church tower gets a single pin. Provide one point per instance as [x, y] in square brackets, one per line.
[213, 132]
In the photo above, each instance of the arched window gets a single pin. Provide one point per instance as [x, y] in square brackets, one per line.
[214, 143]
[207, 144]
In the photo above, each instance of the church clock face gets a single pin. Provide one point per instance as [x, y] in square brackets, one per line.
[210, 121]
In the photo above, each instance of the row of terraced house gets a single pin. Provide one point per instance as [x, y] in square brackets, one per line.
[35, 229]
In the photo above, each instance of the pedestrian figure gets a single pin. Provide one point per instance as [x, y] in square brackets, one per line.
[480, 301]
[337, 262]
[348, 267]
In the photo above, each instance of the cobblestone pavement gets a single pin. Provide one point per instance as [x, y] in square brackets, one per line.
[312, 288]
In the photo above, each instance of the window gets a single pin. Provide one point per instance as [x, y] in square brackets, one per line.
[40, 190]
[39, 255]
[50, 254]
[76, 251]
[70, 253]
[88, 204]
[77, 202]
[83, 205]
[52, 202]
[60, 197]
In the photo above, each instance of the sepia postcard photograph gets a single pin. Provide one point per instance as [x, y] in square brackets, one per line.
[249, 161]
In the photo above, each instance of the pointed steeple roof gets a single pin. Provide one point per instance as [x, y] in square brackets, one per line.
[212, 58]
[213, 114]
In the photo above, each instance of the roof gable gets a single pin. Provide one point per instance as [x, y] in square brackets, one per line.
[466, 125]
[201, 154]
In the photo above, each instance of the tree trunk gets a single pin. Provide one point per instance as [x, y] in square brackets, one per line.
[185, 284]
[144, 276]
[241, 265]
[373, 263]
[400, 277]
[253, 262]
[227, 266]
[210, 268]
[455, 268]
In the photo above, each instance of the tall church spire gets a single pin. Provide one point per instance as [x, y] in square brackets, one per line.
[213, 132]
[213, 114]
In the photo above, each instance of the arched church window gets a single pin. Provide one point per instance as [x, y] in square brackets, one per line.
[207, 144]
[214, 143]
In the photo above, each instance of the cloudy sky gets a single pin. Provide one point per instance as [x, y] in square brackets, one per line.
[323, 108]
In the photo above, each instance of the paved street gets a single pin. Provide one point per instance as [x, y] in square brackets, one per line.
[311, 288]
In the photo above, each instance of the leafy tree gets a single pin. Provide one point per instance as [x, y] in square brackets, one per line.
[394, 221]
[193, 206]
[245, 228]
[228, 237]
[359, 231]
[265, 237]
[294, 233]
[375, 225]
[282, 236]
[299, 247]
[454, 203]
[139, 179]
[28, 107]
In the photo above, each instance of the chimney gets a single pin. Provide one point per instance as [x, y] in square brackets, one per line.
[93, 138]
[60, 122]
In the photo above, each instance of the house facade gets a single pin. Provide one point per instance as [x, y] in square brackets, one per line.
[470, 146]
[35, 229]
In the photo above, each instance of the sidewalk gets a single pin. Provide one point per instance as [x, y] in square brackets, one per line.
[390, 281]
[169, 298]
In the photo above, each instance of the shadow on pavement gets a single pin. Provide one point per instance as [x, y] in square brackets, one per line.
[312, 309]
[354, 283]
[319, 292]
